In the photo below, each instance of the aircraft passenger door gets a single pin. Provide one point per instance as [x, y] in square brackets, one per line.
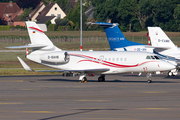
[101, 58]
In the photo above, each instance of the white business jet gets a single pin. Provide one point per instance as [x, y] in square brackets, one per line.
[84, 62]
[164, 46]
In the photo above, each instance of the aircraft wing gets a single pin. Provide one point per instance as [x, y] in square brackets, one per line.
[26, 67]
[148, 46]
[28, 46]
[104, 24]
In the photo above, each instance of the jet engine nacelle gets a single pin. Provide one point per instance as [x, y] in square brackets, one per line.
[55, 57]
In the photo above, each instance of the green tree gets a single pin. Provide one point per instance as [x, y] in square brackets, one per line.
[45, 1]
[144, 12]
[74, 16]
[162, 13]
[62, 4]
[176, 26]
[25, 14]
[68, 6]
[6, 1]
[135, 15]
[127, 14]
[27, 3]
[48, 23]
[62, 22]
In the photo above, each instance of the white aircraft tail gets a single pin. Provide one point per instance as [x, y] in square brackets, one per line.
[38, 37]
[161, 42]
[39, 41]
[159, 38]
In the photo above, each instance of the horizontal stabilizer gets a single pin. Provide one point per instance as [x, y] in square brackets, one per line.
[148, 46]
[104, 24]
[28, 46]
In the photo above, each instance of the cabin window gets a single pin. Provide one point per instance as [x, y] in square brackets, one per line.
[113, 59]
[125, 59]
[121, 59]
[117, 59]
[148, 57]
[105, 59]
[109, 59]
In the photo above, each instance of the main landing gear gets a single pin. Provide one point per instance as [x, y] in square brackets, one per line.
[149, 77]
[101, 78]
[83, 78]
[173, 72]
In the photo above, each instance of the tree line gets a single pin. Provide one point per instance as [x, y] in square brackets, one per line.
[131, 15]
[136, 15]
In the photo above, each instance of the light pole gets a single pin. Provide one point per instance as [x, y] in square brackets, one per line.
[81, 25]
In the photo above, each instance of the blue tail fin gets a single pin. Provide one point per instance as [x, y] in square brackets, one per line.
[115, 37]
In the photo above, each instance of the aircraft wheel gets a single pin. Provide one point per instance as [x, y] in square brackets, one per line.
[170, 73]
[84, 79]
[101, 79]
[149, 81]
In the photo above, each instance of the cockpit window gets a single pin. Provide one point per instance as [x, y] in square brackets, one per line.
[148, 57]
[152, 57]
[157, 57]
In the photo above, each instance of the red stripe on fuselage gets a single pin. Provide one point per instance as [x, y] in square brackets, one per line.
[36, 29]
[110, 64]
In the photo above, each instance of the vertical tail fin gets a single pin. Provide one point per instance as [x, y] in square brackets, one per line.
[159, 38]
[37, 36]
[115, 37]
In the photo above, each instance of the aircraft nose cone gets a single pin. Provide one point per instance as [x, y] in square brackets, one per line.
[169, 66]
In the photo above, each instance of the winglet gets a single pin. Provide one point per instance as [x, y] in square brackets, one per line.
[25, 66]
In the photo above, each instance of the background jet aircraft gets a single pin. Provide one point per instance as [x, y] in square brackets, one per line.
[118, 42]
[101, 62]
[163, 45]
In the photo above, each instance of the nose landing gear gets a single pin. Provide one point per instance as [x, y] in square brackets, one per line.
[82, 78]
[148, 76]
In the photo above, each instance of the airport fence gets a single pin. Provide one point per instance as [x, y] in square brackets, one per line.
[26, 39]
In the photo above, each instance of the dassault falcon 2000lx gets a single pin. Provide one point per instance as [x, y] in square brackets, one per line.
[84, 62]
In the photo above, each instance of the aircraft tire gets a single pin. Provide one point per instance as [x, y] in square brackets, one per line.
[101, 79]
[170, 73]
[149, 81]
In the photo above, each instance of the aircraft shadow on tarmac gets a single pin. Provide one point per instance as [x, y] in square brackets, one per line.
[107, 81]
[91, 79]
[173, 77]
[76, 113]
